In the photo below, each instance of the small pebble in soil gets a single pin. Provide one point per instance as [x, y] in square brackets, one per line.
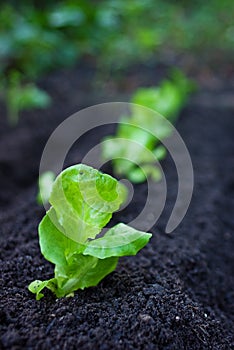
[145, 317]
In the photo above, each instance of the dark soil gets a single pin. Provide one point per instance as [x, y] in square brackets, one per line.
[177, 293]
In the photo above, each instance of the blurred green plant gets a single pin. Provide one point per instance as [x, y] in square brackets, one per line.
[45, 184]
[36, 38]
[20, 97]
[137, 30]
[33, 42]
[135, 148]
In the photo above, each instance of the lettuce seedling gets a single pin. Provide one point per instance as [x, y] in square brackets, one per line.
[167, 99]
[82, 202]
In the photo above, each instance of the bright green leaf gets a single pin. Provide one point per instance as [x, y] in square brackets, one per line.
[84, 200]
[55, 245]
[120, 240]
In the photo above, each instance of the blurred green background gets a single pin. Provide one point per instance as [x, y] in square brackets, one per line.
[37, 37]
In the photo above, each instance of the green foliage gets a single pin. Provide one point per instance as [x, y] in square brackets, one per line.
[45, 184]
[35, 40]
[145, 128]
[83, 201]
[139, 30]
[20, 97]
[169, 98]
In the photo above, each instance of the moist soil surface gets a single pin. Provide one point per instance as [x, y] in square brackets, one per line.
[178, 292]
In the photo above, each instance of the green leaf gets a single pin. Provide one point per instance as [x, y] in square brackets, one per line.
[82, 272]
[152, 171]
[20, 97]
[84, 200]
[45, 183]
[37, 286]
[137, 175]
[160, 152]
[55, 245]
[120, 240]
[146, 171]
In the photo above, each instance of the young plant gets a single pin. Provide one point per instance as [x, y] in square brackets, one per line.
[21, 97]
[167, 99]
[82, 202]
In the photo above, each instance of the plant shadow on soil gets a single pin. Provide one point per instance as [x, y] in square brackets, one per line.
[177, 293]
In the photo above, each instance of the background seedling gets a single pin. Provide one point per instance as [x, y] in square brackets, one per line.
[167, 99]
